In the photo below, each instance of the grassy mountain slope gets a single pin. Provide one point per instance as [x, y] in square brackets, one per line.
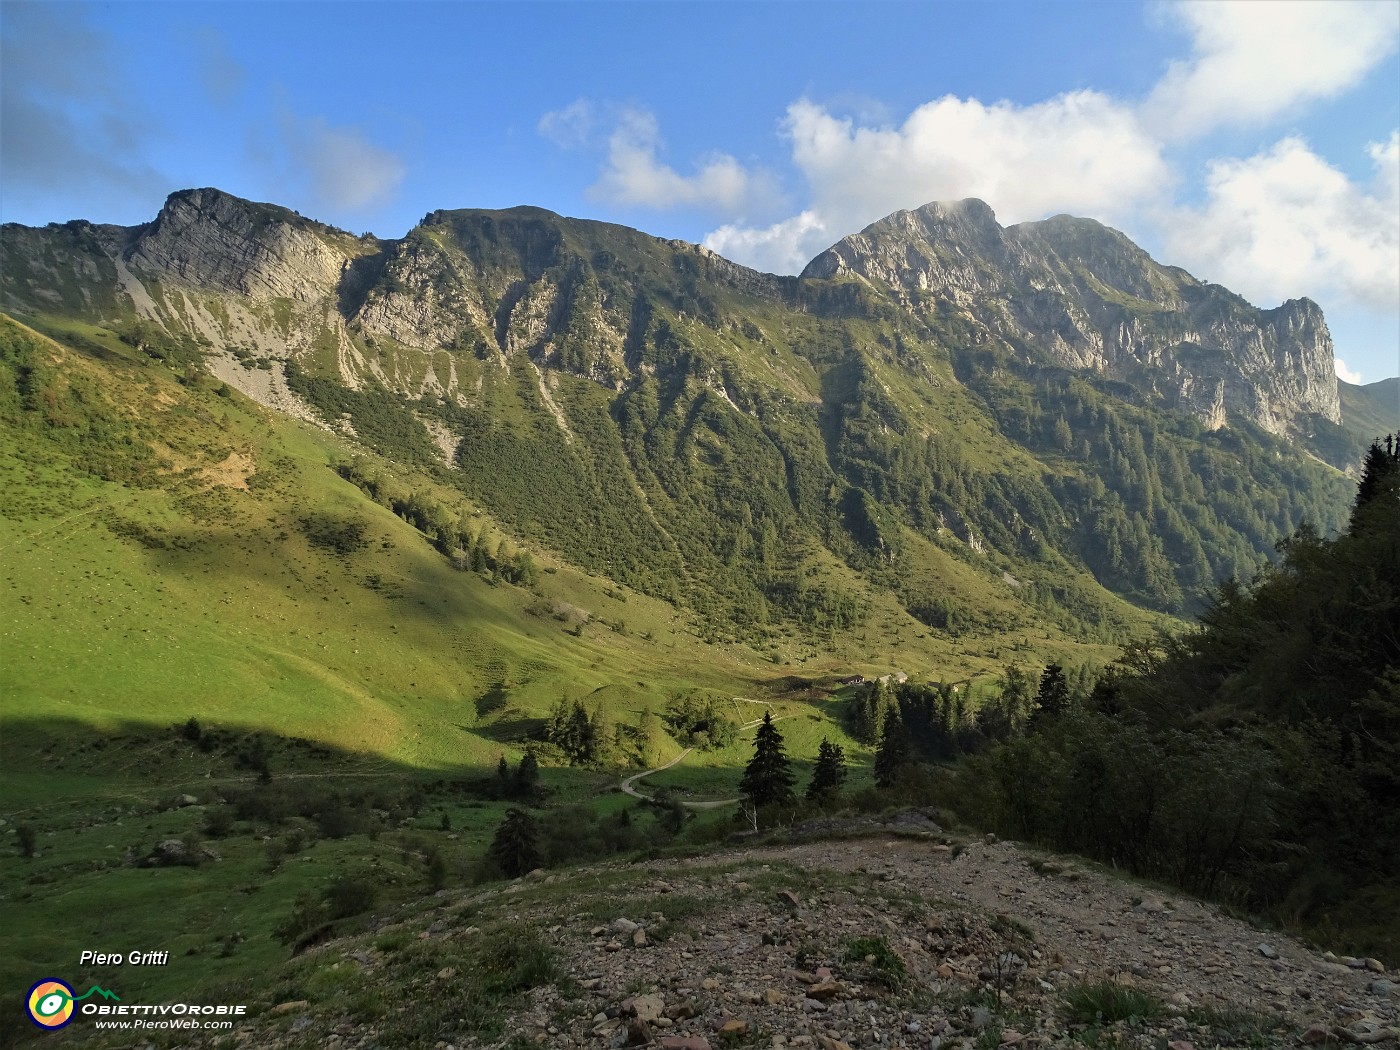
[175, 556]
[1372, 410]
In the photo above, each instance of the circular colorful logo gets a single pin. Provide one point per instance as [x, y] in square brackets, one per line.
[51, 1003]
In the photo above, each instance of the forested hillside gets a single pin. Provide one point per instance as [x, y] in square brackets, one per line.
[1256, 757]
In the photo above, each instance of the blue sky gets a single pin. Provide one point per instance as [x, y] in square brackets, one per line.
[1254, 144]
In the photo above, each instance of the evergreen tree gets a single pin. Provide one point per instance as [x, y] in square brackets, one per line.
[830, 772]
[893, 753]
[1380, 479]
[503, 778]
[767, 780]
[648, 733]
[527, 776]
[1005, 716]
[578, 736]
[583, 738]
[515, 849]
[1052, 700]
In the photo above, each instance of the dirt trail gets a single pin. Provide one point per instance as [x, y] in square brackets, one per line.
[991, 937]
[630, 790]
[717, 803]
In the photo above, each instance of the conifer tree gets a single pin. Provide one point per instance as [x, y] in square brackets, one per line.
[1380, 479]
[1052, 700]
[514, 849]
[527, 775]
[893, 753]
[767, 780]
[830, 772]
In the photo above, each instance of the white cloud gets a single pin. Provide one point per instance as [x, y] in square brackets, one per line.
[1281, 223]
[569, 127]
[1073, 152]
[1080, 152]
[344, 169]
[1346, 374]
[1284, 223]
[633, 174]
[1252, 61]
[784, 247]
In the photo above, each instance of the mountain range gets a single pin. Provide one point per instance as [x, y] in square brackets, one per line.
[1001, 426]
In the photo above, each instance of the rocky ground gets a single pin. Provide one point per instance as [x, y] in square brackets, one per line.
[896, 939]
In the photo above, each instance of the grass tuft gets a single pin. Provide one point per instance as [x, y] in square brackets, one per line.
[882, 964]
[1105, 1002]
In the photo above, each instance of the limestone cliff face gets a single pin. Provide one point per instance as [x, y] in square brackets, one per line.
[585, 297]
[1083, 296]
[209, 240]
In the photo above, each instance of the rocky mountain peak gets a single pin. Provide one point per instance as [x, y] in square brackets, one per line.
[1081, 295]
[211, 239]
[902, 249]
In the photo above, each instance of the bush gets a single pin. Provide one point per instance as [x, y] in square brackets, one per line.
[349, 895]
[698, 720]
[514, 961]
[312, 918]
[218, 822]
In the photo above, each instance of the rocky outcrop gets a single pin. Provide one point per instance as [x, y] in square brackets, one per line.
[1083, 296]
[215, 242]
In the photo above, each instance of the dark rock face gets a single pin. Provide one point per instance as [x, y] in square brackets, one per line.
[1080, 295]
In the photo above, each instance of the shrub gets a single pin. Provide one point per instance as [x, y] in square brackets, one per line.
[349, 895]
[218, 822]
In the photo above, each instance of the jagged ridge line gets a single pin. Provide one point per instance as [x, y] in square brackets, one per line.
[100, 991]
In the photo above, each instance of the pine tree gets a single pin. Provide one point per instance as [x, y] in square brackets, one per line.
[527, 776]
[1380, 479]
[1053, 698]
[503, 779]
[648, 733]
[830, 772]
[514, 849]
[893, 753]
[767, 780]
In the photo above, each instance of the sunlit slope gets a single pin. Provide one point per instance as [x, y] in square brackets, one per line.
[185, 582]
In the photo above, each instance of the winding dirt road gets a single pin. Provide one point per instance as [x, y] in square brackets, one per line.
[628, 789]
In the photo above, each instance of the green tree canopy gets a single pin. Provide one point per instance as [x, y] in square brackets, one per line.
[893, 753]
[767, 780]
[830, 772]
[515, 847]
[1052, 699]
